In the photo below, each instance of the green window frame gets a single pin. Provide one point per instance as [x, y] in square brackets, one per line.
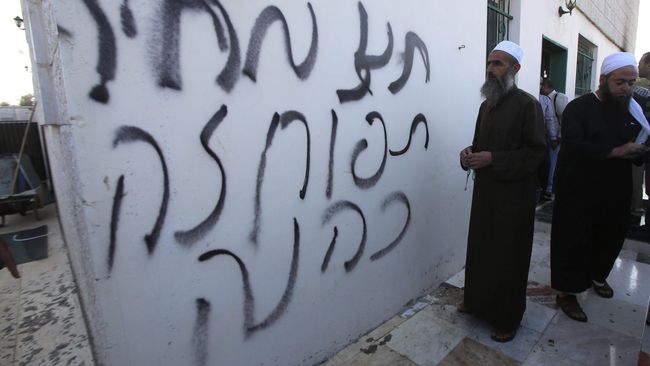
[584, 67]
[498, 22]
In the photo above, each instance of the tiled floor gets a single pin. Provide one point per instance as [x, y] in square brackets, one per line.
[432, 332]
[41, 321]
[40, 318]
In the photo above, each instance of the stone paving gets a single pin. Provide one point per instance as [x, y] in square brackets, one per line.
[432, 332]
[41, 321]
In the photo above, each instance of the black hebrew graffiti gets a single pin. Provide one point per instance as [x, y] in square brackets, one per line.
[260, 179]
[363, 63]
[199, 231]
[168, 67]
[166, 44]
[267, 17]
[128, 134]
[63, 31]
[394, 197]
[283, 121]
[230, 73]
[115, 218]
[128, 21]
[412, 42]
[200, 336]
[250, 327]
[330, 250]
[330, 167]
[288, 292]
[169, 76]
[365, 183]
[333, 210]
[107, 57]
[419, 119]
[249, 300]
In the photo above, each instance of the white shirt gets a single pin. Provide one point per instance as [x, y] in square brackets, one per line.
[549, 117]
[560, 101]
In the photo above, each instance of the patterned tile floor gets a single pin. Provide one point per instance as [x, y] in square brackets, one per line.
[40, 317]
[432, 332]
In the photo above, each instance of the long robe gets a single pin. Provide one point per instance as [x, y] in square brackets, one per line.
[593, 193]
[501, 226]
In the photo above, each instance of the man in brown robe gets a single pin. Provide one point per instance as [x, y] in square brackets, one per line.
[508, 146]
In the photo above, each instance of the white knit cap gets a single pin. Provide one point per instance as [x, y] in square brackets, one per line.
[510, 48]
[614, 62]
[617, 60]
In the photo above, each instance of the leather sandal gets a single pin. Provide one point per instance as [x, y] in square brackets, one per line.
[603, 291]
[503, 337]
[570, 306]
[463, 309]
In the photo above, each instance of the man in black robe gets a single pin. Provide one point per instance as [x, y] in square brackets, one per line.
[603, 132]
[508, 146]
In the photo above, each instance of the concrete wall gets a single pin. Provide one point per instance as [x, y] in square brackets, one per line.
[14, 113]
[223, 207]
[538, 19]
[617, 19]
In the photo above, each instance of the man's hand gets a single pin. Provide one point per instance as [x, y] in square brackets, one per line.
[554, 143]
[464, 156]
[629, 150]
[480, 159]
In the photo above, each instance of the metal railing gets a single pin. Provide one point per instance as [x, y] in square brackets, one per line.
[498, 19]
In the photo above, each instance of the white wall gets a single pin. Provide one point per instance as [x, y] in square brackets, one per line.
[617, 19]
[540, 18]
[14, 113]
[145, 309]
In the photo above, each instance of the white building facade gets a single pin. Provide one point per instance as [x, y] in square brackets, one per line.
[246, 183]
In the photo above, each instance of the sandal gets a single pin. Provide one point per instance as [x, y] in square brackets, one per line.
[570, 306]
[463, 309]
[503, 337]
[603, 291]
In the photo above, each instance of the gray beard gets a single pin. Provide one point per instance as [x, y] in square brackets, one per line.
[495, 90]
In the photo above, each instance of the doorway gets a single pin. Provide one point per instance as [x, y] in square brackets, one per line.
[554, 63]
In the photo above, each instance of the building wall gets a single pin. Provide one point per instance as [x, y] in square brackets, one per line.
[617, 19]
[196, 232]
[260, 218]
[14, 113]
[538, 19]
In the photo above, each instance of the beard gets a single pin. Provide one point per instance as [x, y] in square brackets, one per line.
[618, 103]
[494, 89]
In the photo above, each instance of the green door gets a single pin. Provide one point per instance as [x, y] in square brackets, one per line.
[554, 63]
